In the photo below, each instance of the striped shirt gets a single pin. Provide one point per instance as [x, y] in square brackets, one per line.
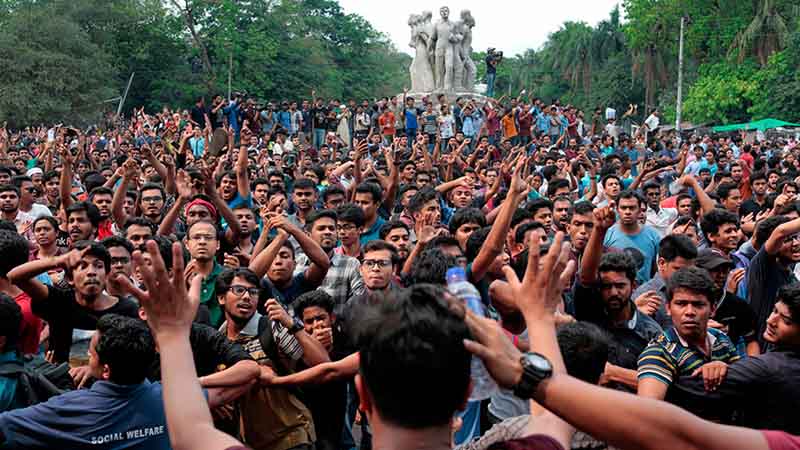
[288, 346]
[668, 356]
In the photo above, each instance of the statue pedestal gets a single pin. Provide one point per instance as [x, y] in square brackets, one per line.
[451, 97]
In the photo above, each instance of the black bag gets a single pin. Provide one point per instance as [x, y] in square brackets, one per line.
[270, 347]
[37, 379]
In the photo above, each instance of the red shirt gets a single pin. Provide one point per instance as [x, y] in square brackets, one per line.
[780, 440]
[31, 325]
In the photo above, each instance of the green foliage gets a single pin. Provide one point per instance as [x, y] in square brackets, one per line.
[722, 94]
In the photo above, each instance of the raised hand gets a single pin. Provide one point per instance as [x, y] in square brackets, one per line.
[183, 184]
[605, 217]
[70, 260]
[277, 313]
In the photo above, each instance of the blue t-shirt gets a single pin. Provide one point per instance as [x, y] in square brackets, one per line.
[373, 233]
[107, 416]
[643, 247]
[411, 118]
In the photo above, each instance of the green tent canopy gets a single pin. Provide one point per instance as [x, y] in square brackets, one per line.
[763, 124]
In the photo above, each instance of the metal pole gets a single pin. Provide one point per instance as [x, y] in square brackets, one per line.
[125, 95]
[230, 73]
[680, 80]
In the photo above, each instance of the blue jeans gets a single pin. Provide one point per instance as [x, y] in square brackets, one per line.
[490, 84]
[319, 137]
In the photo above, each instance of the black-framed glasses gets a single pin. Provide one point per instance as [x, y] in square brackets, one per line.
[239, 290]
[380, 263]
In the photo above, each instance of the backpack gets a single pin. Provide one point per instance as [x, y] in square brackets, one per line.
[37, 379]
[270, 347]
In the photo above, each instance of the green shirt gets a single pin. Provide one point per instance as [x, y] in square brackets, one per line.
[208, 295]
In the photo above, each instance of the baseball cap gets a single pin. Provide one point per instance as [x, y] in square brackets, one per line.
[711, 259]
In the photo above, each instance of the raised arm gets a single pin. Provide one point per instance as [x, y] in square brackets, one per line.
[706, 203]
[242, 176]
[24, 276]
[65, 181]
[394, 180]
[779, 235]
[320, 263]
[494, 241]
[261, 263]
[604, 219]
[128, 170]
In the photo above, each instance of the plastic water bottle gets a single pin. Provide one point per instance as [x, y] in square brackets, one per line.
[483, 384]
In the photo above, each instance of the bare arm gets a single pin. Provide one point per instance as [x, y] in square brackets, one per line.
[319, 374]
[243, 372]
[313, 352]
[65, 181]
[706, 203]
[261, 263]
[604, 218]
[242, 176]
[779, 235]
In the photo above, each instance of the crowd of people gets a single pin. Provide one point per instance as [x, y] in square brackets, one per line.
[397, 273]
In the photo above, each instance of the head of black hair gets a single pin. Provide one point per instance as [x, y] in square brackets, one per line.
[584, 347]
[467, 215]
[317, 214]
[350, 213]
[714, 219]
[317, 297]
[692, 279]
[422, 196]
[117, 241]
[15, 250]
[387, 228]
[618, 262]
[126, 346]
[89, 208]
[673, 246]
[10, 323]
[475, 241]
[431, 267]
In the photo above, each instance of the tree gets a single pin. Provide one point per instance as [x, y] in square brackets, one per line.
[766, 34]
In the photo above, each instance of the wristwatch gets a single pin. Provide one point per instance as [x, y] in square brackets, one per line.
[535, 369]
[297, 326]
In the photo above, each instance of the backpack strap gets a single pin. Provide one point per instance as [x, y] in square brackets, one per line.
[11, 368]
[269, 346]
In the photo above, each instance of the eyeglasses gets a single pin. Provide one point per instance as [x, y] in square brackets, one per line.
[151, 199]
[239, 291]
[379, 263]
[203, 237]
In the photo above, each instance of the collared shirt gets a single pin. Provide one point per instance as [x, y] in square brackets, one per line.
[669, 356]
[343, 281]
[106, 416]
[662, 219]
[208, 295]
[658, 285]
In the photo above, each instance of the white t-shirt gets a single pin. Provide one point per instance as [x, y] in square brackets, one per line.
[652, 122]
[39, 210]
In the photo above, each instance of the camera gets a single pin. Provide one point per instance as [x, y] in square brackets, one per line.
[494, 55]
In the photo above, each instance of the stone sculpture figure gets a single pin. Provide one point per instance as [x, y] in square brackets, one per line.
[442, 60]
[421, 69]
[469, 68]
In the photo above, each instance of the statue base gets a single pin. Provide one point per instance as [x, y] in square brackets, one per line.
[450, 96]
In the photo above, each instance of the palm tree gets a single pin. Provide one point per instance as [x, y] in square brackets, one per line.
[570, 52]
[766, 34]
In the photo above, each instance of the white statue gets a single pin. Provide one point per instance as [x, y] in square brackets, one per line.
[442, 60]
[421, 70]
[465, 51]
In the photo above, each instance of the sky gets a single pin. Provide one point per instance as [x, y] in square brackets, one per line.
[508, 25]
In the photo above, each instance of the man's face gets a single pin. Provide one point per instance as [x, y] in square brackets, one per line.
[9, 202]
[120, 262]
[561, 213]
[334, 201]
[276, 182]
[304, 198]
[79, 226]
[736, 173]
[26, 192]
[316, 318]
[733, 201]
[138, 235]
[282, 268]
[759, 187]
[89, 276]
[400, 238]
[464, 231]
[323, 232]
[51, 187]
[202, 242]
[544, 216]
[227, 188]
[612, 187]
[431, 213]
[789, 190]
[628, 210]
[772, 181]
[246, 219]
[364, 201]
[653, 196]
[685, 207]
[781, 327]
[790, 249]
[376, 269]
[152, 202]
[579, 228]
[726, 238]
[348, 233]
[615, 289]
[260, 194]
[690, 312]
[461, 196]
[667, 268]
[705, 177]
[103, 203]
[408, 173]
[238, 302]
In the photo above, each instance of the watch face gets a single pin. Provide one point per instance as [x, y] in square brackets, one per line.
[538, 361]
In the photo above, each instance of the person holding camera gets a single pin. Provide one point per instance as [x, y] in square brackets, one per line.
[493, 58]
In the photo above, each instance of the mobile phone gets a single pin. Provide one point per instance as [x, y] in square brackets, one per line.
[51, 135]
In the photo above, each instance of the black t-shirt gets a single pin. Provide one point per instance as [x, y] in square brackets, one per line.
[198, 115]
[738, 316]
[749, 207]
[326, 403]
[764, 277]
[63, 314]
[210, 349]
[320, 117]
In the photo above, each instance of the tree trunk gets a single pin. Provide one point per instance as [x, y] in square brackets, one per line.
[188, 16]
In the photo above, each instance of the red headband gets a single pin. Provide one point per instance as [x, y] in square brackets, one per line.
[203, 203]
